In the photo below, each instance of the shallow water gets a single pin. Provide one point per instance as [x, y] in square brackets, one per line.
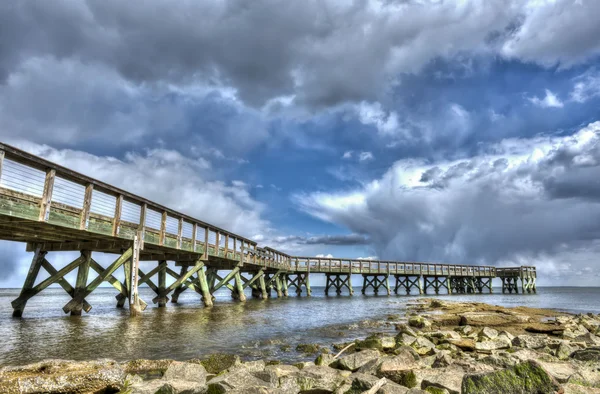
[253, 329]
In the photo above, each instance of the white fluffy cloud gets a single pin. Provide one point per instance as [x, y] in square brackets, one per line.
[519, 201]
[169, 178]
[551, 100]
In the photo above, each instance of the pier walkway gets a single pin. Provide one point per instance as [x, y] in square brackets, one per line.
[53, 209]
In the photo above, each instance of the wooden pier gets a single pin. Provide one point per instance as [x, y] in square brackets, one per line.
[53, 209]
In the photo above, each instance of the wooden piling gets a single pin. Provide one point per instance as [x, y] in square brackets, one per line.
[81, 281]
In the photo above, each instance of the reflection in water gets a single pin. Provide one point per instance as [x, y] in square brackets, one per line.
[253, 329]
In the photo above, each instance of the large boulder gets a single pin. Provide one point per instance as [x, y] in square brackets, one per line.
[352, 362]
[188, 372]
[419, 322]
[313, 379]
[562, 372]
[60, 376]
[524, 378]
[399, 368]
[219, 362]
[449, 379]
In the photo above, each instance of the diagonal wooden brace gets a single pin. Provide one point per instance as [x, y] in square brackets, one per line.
[99, 279]
[22, 299]
[122, 296]
[182, 279]
[64, 284]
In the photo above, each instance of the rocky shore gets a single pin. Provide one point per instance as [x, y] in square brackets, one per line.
[445, 347]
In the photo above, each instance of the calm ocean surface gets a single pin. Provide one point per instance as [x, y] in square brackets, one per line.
[253, 329]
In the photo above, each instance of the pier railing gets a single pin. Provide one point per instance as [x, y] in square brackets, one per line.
[363, 266]
[38, 190]
[517, 272]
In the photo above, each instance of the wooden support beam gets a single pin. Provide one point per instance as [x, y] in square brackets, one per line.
[134, 301]
[183, 278]
[81, 282]
[85, 211]
[178, 289]
[47, 195]
[226, 279]
[20, 302]
[239, 286]
[64, 284]
[163, 229]
[1, 162]
[263, 287]
[205, 290]
[179, 233]
[34, 270]
[205, 257]
[110, 279]
[162, 280]
[117, 215]
[99, 279]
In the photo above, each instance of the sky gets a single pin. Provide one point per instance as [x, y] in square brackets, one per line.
[463, 132]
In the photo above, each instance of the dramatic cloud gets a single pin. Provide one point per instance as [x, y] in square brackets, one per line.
[517, 201]
[320, 52]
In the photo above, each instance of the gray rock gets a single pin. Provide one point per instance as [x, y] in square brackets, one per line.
[282, 370]
[524, 378]
[160, 386]
[530, 341]
[590, 354]
[388, 342]
[312, 379]
[419, 322]
[424, 346]
[238, 379]
[324, 359]
[562, 372]
[465, 330]
[488, 333]
[564, 350]
[589, 339]
[507, 335]
[494, 344]
[188, 372]
[442, 359]
[405, 339]
[444, 378]
[404, 329]
[363, 382]
[399, 368]
[219, 362]
[463, 344]
[60, 376]
[352, 362]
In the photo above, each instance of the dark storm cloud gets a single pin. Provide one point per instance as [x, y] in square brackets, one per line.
[323, 52]
[512, 212]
